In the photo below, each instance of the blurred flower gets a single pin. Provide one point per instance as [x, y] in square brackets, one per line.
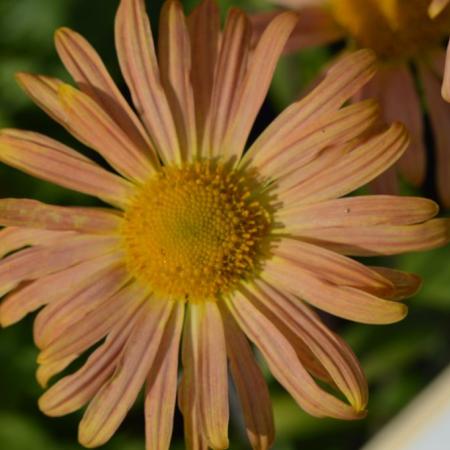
[401, 33]
[436, 7]
[203, 241]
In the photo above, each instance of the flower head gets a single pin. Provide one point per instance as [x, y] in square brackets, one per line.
[402, 34]
[201, 243]
[394, 30]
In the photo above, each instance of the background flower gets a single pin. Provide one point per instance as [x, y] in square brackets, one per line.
[411, 54]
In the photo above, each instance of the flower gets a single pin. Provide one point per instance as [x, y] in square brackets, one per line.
[201, 243]
[436, 7]
[403, 36]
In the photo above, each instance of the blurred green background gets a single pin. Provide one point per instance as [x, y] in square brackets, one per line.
[399, 360]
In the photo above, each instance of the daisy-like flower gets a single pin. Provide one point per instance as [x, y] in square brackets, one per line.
[408, 38]
[203, 244]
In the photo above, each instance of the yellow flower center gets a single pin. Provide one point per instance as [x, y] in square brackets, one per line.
[194, 232]
[392, 28]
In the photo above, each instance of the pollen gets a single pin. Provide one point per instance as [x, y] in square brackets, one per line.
[195, 232]
[394, 29]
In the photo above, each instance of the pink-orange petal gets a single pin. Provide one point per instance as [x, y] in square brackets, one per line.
[35, 214]
[193, 438]
[231, 67]
[79, 334]
[36, 262]
[204, 30]
[54, 325]
[329, 266]
[439, 112]
[92, 77]
[74, 391]
[89, 123]
[342, 80]
[256, 82]
[208, 351]
[47, 289]
[445, 89]
[112, 402]
[12, 238]
[342, 301]
[299, 148]
[174, 52]
[161, 386]
[137, 58]
[44, 92]
[381, 239]
[277, 350]
[436, 7]
[188, 400]
[399, 83]
[251, 386]
[315, 26]
[405, 284]
[358, 211]
[52, 161]
[333, 353]
[354, 169]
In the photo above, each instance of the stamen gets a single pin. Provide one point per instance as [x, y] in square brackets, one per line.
[393, 29]
[194, 232]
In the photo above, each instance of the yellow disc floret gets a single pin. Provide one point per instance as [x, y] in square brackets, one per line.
[392, 28]
[194, 232]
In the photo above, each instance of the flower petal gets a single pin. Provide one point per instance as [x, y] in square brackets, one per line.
[161, 386]
[303, 145]
[13, 238]
[445, 90]
[52, 161]
[74, 391]
[315, 27]
[36, 262]
[187, 392]
[329, 266]
[174, 52]
[78, 334]
[381, 239]
[204, 30]
[277, 350]
[436, 7]
[332, 352]
[405, 284]
[44, 92]
[300, 4]
[358, 211]
[188, 405]
[439, 112]
[208, 353]
[137, 58]
[34, 214]
[54, 325]
[50, 288]
[324, 160]
[386, 183]
[251, 386]
[343, 80]
[399, 83]
[89, 123]
[353, 170]
[254, 86]
[110, 405]
[342, 301]
[92, 77]
[231, 68]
